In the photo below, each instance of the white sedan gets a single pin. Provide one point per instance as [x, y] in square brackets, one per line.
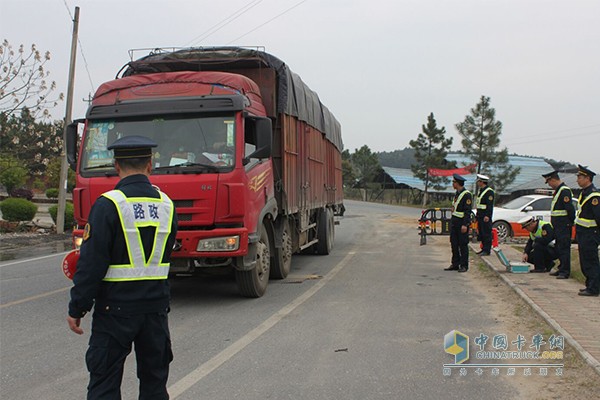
[506, 218]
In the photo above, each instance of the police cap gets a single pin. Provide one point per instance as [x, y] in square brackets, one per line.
[134, 146]
[483, 178]
[459, 179]
[583, 170]
[551, 175]
[525, 222]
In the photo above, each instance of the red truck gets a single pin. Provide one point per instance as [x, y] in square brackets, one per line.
[246, 151]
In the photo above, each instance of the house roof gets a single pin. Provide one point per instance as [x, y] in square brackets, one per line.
[531, 171]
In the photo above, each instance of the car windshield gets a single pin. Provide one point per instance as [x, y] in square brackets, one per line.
[518, 202]
[204, 143]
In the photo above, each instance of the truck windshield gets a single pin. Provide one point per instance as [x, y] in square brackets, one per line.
[204, 143]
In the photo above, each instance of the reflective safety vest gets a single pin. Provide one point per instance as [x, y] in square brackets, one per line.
[459, 214]
[538, 232]
[585, 222]
[480, 197]
[140, 212]
[558, 213]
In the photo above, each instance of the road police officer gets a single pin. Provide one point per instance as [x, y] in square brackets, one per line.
[459, 225]
[539, 250]
[485, 210]
[562, 215]
[587, 229]
[122, 271]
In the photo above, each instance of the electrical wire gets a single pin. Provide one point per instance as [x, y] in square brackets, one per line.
[224, 22]
[554, 137]
[265, 23]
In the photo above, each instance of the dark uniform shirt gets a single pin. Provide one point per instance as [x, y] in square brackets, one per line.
[488, 200]
[547, 235]
[563, 203]
[591, 208]
[106, 246]
[463, 206]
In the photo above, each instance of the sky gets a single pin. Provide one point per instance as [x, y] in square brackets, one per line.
[380, 66]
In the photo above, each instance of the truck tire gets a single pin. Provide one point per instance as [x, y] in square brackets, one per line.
[253, 283]
[325, 232]
[283, 256]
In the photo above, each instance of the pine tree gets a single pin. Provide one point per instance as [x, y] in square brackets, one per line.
[431, 149]
[481, 138]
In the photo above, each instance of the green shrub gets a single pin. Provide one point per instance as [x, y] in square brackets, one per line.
[38, 184]
[53, 174]
[69, 217]
[12, 174]
[52, 193]
[14, 209]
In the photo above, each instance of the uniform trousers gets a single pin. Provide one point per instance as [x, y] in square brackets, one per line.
[110, 344]
[460, 246]
[588, 240]
[541, 256]
[563, 249]
[485, 234]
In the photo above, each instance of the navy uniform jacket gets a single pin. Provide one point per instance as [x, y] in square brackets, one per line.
[105, 246]
[544, 240]
[488, 200]
[465, 205]
[564, 203]
[591, 208]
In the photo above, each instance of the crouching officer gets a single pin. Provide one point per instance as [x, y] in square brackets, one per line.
[587, 229]
[538, 250]
[459, 225]
[122, 271]
[562, 215]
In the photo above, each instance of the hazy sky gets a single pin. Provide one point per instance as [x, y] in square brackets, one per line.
[381, 66]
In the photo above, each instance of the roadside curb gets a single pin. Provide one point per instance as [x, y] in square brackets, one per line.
[591, 360]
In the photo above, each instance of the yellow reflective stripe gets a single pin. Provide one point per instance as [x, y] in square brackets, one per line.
[480, 197]
[559, 213]
[459, 214]
[586, 223]
[538, 233]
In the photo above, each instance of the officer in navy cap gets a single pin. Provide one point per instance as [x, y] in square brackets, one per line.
[124, 279]
[459, 225]
[485, 212]
[587, 228]
[562, 215]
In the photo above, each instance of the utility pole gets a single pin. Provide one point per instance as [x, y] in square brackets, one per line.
[62, 189]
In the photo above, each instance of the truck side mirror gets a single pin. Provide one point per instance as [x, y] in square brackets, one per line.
[262, 128]
[71, 144]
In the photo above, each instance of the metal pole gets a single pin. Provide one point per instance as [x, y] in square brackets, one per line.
[62, 189]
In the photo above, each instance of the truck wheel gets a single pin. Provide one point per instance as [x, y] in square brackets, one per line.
[283, 256]
[253, 283]
[503, 229]
[325, 232]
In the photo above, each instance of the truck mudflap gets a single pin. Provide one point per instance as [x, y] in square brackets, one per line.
[248, 261]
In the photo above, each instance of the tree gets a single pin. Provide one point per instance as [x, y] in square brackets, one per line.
[481, 138]
[34, 143]
[348, 177]
[366, 167]
[431, 149]
[24, 81]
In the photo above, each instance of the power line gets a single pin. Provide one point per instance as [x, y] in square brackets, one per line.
[85, 63]
[559, 131]
[224, 22]
[557, 138]
[263, 24]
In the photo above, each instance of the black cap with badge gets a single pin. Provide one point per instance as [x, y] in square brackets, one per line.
[551, 175]
[583, 170]
[459, 179]
[134, 146]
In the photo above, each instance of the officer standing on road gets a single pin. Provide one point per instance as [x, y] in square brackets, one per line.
[122, 271]
[538, 250]
[459, 225]
[562, 215]
[485, 210]
[587, 229]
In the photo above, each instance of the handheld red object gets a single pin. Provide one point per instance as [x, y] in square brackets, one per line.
[69, 263]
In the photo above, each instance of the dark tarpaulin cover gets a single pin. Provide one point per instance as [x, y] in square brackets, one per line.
[294, 97]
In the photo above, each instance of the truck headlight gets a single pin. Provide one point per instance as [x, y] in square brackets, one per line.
[77, 240]
[228, 243]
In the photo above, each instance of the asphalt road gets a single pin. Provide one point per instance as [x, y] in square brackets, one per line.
[365, 322]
